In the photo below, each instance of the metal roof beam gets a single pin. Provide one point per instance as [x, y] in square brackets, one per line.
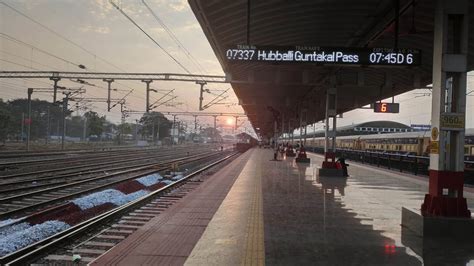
[116, 76]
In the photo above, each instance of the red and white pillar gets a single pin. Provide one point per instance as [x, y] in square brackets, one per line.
[446, 181]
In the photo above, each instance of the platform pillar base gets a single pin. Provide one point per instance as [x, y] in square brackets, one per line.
[439, 203]
[302, 160]
[437, 227]
[330, 172]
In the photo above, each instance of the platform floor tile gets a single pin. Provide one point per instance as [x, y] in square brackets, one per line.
[311, 220]
[235, 234]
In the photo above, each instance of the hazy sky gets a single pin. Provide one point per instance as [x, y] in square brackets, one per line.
[96, 26]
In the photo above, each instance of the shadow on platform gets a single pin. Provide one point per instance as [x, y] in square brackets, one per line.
[439, 251]
[307, 223]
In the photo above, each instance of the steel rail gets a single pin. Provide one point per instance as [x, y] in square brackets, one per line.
[142, 167]
[163, 166]
[83, 155]
[98, 149]
[26, 254]
[95, 170]
[120, 156]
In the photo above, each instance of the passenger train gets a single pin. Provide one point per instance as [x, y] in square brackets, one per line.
[412, 143]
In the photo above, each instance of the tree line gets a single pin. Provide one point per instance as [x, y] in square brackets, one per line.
[47, 120]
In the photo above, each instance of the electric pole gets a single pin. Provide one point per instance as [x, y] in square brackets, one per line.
[55, 88]
[48, 125]
[109, 89]
[65, 109]
[201, 92]
[28, 130]
[147, 107]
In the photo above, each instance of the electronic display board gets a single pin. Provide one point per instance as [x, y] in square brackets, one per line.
[324, 55]
[386, 107]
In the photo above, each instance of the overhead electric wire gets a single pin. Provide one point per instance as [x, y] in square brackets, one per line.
[27, 59]
[151, 38]
[32, 81]
[175, 39]
[18, 64]
[61, 36]
[13, 39]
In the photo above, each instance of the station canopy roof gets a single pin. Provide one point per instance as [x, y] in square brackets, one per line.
[270, 91]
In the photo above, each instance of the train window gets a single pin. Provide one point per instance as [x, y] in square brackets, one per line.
[466, 150]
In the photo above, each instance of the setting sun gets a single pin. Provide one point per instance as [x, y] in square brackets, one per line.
[230, 121]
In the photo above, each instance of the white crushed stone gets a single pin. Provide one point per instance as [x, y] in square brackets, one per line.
[22, 237]
[167, 182]
[7, 230]
[107, 196]
[97, 198]
[150, 180]
[135, 195]
[177, 173]
[177, 177]
[8, 221]
[17, 236]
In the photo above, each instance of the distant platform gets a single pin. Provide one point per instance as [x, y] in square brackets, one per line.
[258, 211]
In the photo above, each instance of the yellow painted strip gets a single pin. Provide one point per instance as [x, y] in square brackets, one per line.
[254, 253]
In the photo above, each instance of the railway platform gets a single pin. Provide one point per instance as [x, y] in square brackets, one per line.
[257, 211]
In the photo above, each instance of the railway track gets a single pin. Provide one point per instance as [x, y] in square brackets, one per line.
[72, 158]
[93, 237]
[8, 154]
[72, 174]
[92, 164]
[29, 202]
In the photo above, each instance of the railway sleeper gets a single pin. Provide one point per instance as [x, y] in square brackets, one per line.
[148, 215]
[136, 219]
[42, 198]
[160, 210]
[88, 252]
[126, 226]
[160, 205]
[97, 244]
[147, 211]
[154, 203]
[65, 258]
[154, 208]
[170, 197]
[110, 237]
[23, 202]
[118, 232]
[58, 193]
[12, 206]
[137, 223]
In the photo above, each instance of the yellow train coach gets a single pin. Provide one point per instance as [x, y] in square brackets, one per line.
[414, 143]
